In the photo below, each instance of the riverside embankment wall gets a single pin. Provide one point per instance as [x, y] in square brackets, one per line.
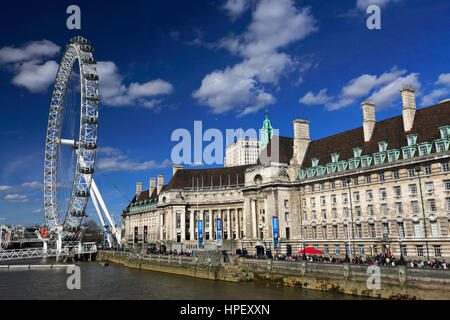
[395, 282]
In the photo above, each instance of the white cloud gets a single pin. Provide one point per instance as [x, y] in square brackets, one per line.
[444, 79]
[32, 185]
[15, 197]
[117, 161]
[320, 98]
[384, 90]
[5, 188]
[434, 96]
[363, 4]
[235, 8]
[275, 24]
[34, 76]
[389, 94]
[27, 64]
[35, 50]
[37, 211]
[114, 92]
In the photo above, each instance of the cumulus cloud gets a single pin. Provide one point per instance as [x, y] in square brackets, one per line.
[16, 198]
[444, 79]
[28, 66]
[383, 90]
[5, 188]
[32, 185]
[236, 8]
[35, 50]
[113, 92]
[115, 160]
[320, 98]
[275, 24]
[434, 96]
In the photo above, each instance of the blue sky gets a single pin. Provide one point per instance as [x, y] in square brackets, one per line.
[164, 64]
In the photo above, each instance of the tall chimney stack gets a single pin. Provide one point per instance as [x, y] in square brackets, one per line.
[175, 168]
[409, 107]
[368, 108]
[138, 189]
[152, 186]
[160, 182]
[301, 140]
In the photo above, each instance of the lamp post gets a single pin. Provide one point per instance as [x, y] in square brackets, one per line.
[418, 169]
[351, 216]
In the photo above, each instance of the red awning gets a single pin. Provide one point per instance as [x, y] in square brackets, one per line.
[311, 251]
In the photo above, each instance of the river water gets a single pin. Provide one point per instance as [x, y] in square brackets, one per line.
[119, 282]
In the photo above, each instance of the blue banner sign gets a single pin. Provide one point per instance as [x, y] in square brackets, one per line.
[200, 233]
[219, 233]
[275, 232]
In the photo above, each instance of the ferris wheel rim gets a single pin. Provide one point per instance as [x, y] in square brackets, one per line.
[78, 49]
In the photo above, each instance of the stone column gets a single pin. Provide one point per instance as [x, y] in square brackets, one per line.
[183, 225]
[228, 224]
[254, 214]
[191, 226]
[174, 225]
[211, 225]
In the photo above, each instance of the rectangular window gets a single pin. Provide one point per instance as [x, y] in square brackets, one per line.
[359, 230]
[419, 250]
[338, 250]
[344, 197]
[415, 206]
[396, 174]
[372, 230]
[401, 229]
[391, 157]
[314, 233]
[333, 198]
[445, 167]
[344, 183]
[324, 214]
[305, 215]
[417, 229]
[368, 179]
[427, 169]
[431, 205]
[397, 191]
[386, 229]
[324, 232]
[355, 181]
[286, 216]
[437, 251]
[369, 194]
[399, 207]
[370, 210]
[412, 189]
[322, 200]
[358, 211]
[381, 176]
[384, 209]
[334, 212]
[356, 195]
[447, 185]
[313, 202]
[314, 215]
[404, 250]
[361, 249]
[288, 233]
[335, 232]
[448, 203]
[434, 229]
[440, 146]
[346, 212]
[333, 184]
[411, 172]
[429, 187]
[383, 194]
[286, 204]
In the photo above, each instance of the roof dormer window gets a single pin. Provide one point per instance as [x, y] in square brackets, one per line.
[334, 157]
[424, 148]
[412, 139]
[382, 146]
[357, 152]
[445, 132]
[314, 161]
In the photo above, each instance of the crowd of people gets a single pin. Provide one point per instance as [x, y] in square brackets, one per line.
[379, 260]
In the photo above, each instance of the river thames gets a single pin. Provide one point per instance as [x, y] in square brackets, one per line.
[119, 282]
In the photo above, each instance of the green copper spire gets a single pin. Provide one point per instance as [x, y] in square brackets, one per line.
[266, 132]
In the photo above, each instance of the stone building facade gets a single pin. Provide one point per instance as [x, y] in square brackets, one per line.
[383, 186]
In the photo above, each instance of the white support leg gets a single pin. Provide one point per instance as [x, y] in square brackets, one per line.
[100, 215]
[105, 210]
